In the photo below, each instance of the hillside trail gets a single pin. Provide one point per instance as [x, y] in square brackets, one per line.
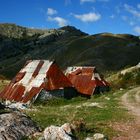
[131, 100]
[131, 129]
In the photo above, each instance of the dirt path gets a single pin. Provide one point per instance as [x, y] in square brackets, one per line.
[131, 100]
[131, 129]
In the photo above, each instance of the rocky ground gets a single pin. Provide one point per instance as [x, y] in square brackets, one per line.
[16, 126]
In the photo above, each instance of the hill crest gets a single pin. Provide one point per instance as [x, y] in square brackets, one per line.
[68, 46]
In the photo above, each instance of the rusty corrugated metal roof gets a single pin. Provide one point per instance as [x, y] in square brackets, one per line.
[85, 79]
[32, 78]
[56, 78]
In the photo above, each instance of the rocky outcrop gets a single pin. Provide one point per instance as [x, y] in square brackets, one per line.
[65, 132]
[58, 133]
[50, 36]
[15, 126]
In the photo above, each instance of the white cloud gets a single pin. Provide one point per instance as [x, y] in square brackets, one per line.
[60, 21]
[103, 0]
[137, 29]
[51, 11]
[89, 17]
[132, 10]
[83, 1]
[138, 5]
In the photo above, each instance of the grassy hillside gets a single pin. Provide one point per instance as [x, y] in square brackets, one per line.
[125, 78]
[107, 52]
[99, 114]
[68, 46]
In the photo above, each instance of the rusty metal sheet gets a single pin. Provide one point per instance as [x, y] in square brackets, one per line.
[19, 76]
[17, 93]
[32, 78]
[56, 78]
[29, 95]
[85, 79]
[8, 90]
[83, 84]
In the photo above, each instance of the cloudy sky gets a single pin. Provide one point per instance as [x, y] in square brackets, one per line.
[91, 16]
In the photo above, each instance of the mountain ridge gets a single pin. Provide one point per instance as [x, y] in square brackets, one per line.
[68, 46]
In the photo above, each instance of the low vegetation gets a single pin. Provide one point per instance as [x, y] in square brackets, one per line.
[96, 114]
[3, 83]
[128, 79]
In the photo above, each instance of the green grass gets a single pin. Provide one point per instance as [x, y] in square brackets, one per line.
[129, 79]
[95, 119]
[3, 83]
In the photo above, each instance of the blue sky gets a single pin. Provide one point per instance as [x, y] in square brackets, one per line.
[90, 16]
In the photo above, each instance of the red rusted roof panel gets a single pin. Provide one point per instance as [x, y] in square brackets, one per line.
[34, 76]
[56, 78]
[7, 91]
[19, 76]
[17, 93]
[99, 82]
[83, 83]
[85, 79]
[29, 95]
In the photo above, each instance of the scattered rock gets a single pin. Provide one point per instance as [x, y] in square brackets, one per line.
[17, 105]
[95, 104]
[89, 138]
[121, 89]
[98, 136]
[58, 133]
[89, 105]
[107, 98]
[67, 127]
[15, 126]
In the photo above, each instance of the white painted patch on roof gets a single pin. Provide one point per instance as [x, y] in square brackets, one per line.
[39, 79]
[28, 80]
[72, 69]
[29, 69]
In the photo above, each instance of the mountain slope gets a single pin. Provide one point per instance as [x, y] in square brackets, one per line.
[68, 46]
[128, 77]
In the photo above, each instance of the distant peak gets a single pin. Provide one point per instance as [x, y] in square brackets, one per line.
[72, 29]
[68, 27]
